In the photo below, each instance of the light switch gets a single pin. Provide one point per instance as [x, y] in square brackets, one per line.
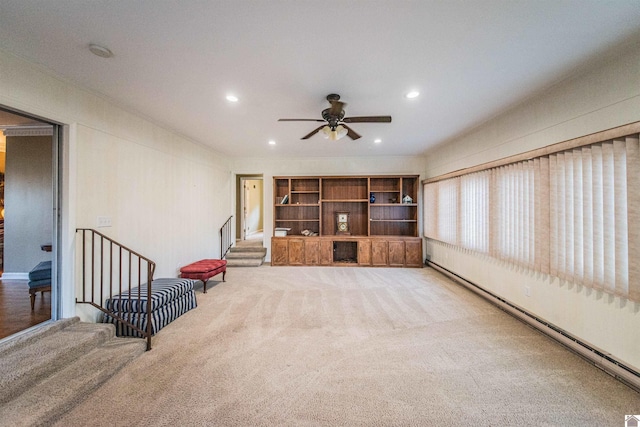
[104, 221]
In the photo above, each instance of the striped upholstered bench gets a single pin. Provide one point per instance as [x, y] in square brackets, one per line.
[170, 299]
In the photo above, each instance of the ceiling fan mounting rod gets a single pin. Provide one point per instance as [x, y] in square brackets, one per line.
[331, 119]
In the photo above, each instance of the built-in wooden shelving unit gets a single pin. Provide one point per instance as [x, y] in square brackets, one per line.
[382, 212]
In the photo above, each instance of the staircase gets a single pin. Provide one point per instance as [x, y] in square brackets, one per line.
[47, 371]
[246, 256]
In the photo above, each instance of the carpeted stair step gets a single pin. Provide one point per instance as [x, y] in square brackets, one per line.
[30, 336]
[29, 364]
[39, 355]
[246, 256]
[245, 262]
[246, 253]
[247, 249]
[59, 392]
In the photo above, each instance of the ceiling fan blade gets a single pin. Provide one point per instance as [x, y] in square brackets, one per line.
[313, 132]
[300, 120]
[368, 119]
[336, 108]
[351, 133]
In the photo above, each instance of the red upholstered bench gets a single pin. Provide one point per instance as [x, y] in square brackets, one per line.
[204, 270]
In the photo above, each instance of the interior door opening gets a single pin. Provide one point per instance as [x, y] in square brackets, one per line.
[28, 221]
[249, 209]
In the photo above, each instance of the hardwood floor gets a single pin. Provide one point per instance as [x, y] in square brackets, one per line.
[15, 307]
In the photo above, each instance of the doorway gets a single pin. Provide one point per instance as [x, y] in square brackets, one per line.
[28, 221]
[249, 210]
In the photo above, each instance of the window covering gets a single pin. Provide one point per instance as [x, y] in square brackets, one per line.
[573, 214]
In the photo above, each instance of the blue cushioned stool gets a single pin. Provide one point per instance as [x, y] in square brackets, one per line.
[39, 280]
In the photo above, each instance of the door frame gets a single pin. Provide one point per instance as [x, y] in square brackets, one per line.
[240, 202]
[59, 134]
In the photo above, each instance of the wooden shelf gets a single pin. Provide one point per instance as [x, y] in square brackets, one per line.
[345, 200]
[318, 198]
[374, 205]
[313, 202]
[393, 220]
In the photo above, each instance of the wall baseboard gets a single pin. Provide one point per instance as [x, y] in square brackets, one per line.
[14, 276]
[600, 358]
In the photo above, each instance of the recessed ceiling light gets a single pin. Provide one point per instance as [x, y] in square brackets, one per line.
[272, 142]
[232, 98]
[377, 140]
[412, 94]
[100, 51]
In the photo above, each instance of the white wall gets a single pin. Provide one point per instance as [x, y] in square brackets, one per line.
[163, 205]
[603, 97]
[167, 196]
[317, 167]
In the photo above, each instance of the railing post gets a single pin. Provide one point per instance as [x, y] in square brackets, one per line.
[84, 274]
[149, 310]
[101, 269]
[93, 265]
[110, 269]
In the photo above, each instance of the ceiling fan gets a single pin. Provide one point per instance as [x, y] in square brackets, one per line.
[335, 127]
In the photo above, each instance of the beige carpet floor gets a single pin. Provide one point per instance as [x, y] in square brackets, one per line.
[287, 346]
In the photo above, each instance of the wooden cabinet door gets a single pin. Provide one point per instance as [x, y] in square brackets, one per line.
[364, 252]
[279, 251]
[311, 252]
[413, 253]
[326, 252]
[380, 253]
[296, 252]
[396, 253]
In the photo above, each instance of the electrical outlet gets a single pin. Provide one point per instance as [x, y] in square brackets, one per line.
[527, 291]
[103, 221]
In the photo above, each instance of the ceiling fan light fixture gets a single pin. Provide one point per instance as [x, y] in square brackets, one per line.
[413, 94]
[326, 132]
[334, 134]
[232, 98]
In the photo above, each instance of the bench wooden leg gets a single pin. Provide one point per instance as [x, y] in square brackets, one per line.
[223, 273]
[34, 291]
[204, 283]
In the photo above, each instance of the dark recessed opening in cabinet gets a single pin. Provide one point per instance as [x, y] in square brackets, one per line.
[346, 252]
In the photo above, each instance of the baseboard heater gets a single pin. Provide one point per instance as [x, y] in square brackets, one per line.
[599, 358]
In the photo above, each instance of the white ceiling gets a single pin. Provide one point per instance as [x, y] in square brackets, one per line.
[174, 62]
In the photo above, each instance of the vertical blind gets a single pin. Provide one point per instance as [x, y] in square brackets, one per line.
[573, 214]
[474, 211]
